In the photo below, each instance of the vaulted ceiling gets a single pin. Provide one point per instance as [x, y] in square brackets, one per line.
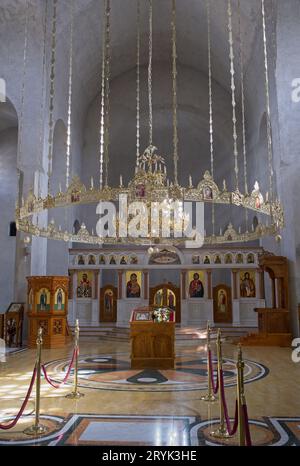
[191, 30]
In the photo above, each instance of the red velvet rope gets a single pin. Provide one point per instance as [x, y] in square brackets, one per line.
[247, 427]
[215, 388]
[14, 422]
[53, 384]
[232, 430]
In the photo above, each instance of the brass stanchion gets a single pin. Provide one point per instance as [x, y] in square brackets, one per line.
[221, 431]
[37, 428]
[209, 396]
[75, 393]
[241, 397]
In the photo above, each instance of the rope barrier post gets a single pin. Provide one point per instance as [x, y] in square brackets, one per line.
[75, 393]
[37, 428]
[221, 431]
[241, 397]
[209, 396]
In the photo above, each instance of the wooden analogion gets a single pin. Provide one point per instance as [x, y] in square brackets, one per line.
[152, 334]
[48, 308]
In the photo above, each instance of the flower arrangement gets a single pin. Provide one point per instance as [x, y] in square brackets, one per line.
[161, 314]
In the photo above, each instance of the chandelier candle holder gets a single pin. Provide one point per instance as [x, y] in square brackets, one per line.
[150, 181]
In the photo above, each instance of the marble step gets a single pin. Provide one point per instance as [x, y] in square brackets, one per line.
[182, 334]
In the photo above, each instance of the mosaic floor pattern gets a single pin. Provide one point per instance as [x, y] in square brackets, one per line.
[104, 372]
[91, 429]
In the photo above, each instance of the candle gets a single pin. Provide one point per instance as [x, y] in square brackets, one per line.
[121, 180]
[191, 181]
[92, 182]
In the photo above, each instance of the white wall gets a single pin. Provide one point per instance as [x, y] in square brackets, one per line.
[8, 190]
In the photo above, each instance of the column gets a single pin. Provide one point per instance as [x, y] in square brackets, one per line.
[146, 283]
[71, 287]
[120, 284]
[96, 278]
[75, 283]
[280, 300]
[261, 283]
[183, 284]
[236, 311]
[209, 284]
[234, 284]
[274, 305]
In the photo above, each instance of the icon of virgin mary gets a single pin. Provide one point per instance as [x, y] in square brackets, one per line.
[133, 288]
[196, 287]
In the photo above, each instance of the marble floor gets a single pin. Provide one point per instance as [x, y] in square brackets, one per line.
[149, 407]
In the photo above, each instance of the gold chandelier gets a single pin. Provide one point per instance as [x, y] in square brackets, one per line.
[150, 182]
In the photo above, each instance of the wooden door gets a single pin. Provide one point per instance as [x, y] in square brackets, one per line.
[108, 304]
[166, 294]
[222, 304]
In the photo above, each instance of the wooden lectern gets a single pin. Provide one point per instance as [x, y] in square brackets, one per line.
[152, 334]
[48, 308]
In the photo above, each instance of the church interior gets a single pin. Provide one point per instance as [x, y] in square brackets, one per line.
[150, 227]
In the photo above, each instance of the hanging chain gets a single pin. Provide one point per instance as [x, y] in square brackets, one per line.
[52, 92]
[243, 114]
[21, 128]
[138, 100]
[150, 73]
[42, 107]
[269, 127]
[210, 97]
[70, 92]
[234, 119]
[211, 129]
[101, 155]
[107, 92]
[243, 103]
[175, 103]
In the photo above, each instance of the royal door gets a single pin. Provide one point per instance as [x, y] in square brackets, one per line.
[166, 294]
[222, 304]
[108, 304]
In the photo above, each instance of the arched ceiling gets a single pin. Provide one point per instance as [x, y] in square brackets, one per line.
[191, 36]
[191, 30]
